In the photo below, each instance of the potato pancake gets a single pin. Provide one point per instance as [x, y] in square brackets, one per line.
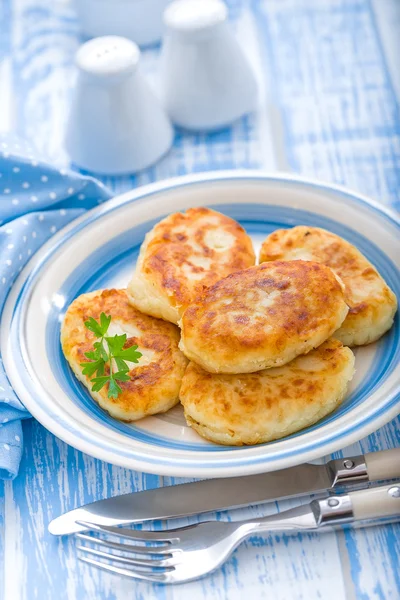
[372, 304]
[154, 382]
[182, 255]
[259, 407]
[263, 317]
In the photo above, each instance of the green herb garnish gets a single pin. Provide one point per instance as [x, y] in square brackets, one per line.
[108, 351]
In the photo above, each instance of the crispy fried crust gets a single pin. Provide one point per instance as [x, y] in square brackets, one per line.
[183, 254]
[155, 381]
[372, 303]
[263, 317]
[259, 407]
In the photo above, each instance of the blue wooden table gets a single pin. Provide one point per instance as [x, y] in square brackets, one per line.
[330, 89]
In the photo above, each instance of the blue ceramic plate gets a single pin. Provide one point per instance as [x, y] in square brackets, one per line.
[100, 249]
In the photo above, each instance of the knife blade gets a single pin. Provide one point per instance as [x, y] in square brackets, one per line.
[235, 492]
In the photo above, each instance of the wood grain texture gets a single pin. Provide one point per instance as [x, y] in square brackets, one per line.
[2, 535]
[330, 102]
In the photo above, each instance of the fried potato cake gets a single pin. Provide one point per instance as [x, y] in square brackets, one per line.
[263, 317]
[183, 254]
[259, 407]
[372, 304]
[154, 382]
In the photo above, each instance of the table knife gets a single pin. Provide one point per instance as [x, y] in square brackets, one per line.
[235, 492]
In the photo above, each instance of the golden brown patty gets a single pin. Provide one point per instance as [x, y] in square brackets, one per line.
[371, 302]
[182, 255]
[263, 317]
[155, 381]
[258, 407]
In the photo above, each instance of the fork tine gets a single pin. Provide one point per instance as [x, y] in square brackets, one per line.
[149, 576]
[165, 550]
[138, 535]
[140, 562]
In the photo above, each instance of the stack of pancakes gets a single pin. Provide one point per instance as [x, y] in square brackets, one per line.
[267, 343]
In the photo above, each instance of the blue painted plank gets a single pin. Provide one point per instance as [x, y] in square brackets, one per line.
[332, 88]
[331, 85]
[329, 79]
[2, 532]
[54, 478]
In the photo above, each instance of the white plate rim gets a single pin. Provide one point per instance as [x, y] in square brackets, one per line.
[141, 195]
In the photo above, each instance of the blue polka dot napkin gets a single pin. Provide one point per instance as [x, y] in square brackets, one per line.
[36, 200]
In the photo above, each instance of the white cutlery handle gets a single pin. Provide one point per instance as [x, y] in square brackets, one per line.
[383, 501]
[383, 465]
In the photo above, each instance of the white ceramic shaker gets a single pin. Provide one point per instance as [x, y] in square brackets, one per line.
[116, 125]
[207, 81]
[138, 20]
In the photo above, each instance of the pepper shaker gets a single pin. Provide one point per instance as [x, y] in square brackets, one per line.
[116, 125]
[207, 81]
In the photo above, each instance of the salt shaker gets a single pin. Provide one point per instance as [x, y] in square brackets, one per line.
[116, 125]
[207, 81]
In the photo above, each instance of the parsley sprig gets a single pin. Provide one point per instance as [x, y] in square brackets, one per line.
[108, 351]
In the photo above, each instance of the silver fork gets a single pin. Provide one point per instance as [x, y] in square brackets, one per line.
[187, 553]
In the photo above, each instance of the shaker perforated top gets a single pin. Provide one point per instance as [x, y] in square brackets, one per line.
[107, 56]
[189, 16]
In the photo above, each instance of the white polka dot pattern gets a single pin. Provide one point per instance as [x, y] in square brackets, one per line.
[36, 200]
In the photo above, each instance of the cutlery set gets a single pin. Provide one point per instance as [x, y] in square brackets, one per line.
[187, 553]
